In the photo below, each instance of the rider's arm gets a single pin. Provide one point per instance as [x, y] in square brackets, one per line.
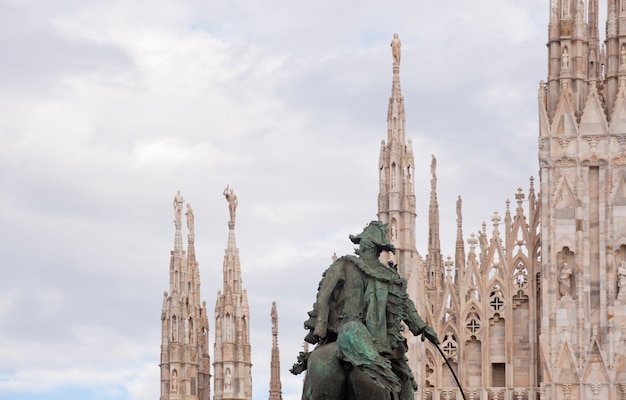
[413, 320]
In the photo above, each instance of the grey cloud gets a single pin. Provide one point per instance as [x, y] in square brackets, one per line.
[36, 54]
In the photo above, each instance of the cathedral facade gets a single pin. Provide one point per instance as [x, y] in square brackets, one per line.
[535, 307]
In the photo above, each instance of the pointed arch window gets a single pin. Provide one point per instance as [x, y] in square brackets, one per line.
[409, 178]
[244, 326]
[191, 332]
[174, 329]
[520, 276]
[228, 325]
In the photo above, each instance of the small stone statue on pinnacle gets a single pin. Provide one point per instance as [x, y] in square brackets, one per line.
[190, 222]
[178, 208]
[395, 49]
[232, 204]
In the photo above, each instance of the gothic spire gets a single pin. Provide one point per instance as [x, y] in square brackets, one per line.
[193, 273]
[232, 269]
[178, 262]
[395, 116]
[275, 385]
[433, 210]
[434, 259]
[232, 365]
[396, 200]
[184, 348]
[459, 258]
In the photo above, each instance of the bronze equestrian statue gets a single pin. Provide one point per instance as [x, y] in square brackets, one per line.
[356, 323]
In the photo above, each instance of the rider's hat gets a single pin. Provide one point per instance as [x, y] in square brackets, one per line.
[375, 232]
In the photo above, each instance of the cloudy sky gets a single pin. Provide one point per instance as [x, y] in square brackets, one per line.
[108, 107]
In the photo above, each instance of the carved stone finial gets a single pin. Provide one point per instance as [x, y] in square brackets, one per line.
[519, 196]
[472, 241]
[495, 218]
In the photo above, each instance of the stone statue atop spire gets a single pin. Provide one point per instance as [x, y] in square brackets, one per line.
[232, 205]
[433, 172]
[433, 166]
[190, 221]
[274, 315]
[395, 49]
[178, 209]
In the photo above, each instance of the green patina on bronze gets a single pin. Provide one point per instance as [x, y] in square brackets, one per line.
[356, 323]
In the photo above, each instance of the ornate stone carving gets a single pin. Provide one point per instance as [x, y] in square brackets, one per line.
[618, 161]
[565, 162]
[495, 393]
[567, 391]
[593, 142]
[564, 141]
[595, 389]
[622, 386]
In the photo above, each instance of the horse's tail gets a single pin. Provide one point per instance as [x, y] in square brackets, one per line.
[355, 345]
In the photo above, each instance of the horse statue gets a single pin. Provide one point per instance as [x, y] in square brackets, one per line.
[330, 374]
[356, 323]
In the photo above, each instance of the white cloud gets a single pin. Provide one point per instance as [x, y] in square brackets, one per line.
[168, 152]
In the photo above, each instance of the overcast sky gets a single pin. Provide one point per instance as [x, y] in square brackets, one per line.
[107, 108]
